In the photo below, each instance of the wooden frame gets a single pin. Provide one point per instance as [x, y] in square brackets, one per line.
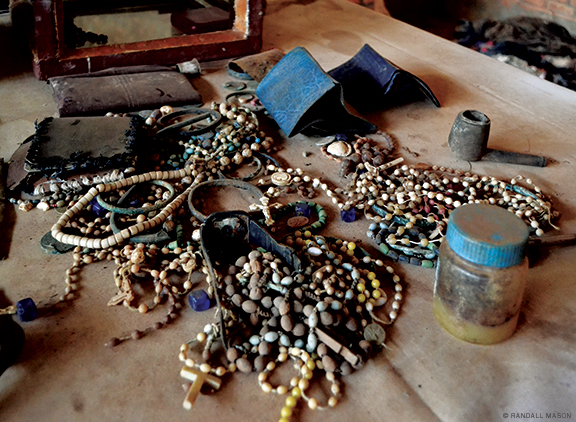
[53, 58]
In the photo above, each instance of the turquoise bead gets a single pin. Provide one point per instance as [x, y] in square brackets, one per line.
[384, 248]
[427, 264]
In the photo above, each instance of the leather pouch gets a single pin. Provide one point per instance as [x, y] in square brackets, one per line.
[122, 90]
[256, 66]
[371, 82]
[302, 98]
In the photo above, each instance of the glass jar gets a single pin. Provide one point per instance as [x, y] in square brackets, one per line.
[481, 274]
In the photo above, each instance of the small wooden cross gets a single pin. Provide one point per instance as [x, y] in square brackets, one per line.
[198, 379]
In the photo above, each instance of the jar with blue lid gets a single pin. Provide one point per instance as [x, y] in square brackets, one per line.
[481, 274]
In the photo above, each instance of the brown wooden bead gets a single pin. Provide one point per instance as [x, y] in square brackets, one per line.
[232, 354]
[287, 323]
[244, 365]
[249, 306]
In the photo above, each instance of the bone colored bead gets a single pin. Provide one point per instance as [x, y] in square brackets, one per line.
[118, 237]
[83, 242]
[90, 243]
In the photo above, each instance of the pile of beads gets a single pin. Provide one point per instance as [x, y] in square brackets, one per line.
[237, 136]
[169, 271]
[323, 319]
[411, 205]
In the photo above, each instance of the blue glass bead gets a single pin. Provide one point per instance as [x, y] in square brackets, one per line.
[393, 255]
[372, 226]
[189, 151]
[302, 210]
[348, 216]
[415, 261]
[97, 209]
[341, 137]
[199, 300]
[403, 258]
[26, 310]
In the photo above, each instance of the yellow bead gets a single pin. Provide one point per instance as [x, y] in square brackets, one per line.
[351, 245]
[297, 392]
[371, 275]
[303, 384]
[294, 381]
[375, 283]
[286, 412]
[350, 252]
[291, 401]
[307, 233]
[283, 420]
[361, 298]
[376, 294]
[308, 376]
[310, 364]
[360, 287]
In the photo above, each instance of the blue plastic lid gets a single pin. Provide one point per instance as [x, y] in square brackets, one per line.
[487, 235]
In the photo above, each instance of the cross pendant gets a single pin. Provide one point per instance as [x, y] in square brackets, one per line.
[198, 379]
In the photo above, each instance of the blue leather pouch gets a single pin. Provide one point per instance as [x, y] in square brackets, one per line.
[302, 98]
[371, 82]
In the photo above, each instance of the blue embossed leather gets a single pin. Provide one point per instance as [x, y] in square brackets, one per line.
[370, 81]
[301, 97]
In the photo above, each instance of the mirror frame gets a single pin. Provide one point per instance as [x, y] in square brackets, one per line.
[53, 58]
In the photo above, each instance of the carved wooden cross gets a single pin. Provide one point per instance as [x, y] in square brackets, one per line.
[198, 379]
[265, 208]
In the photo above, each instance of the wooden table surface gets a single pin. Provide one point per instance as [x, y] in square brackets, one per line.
[65, 373]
